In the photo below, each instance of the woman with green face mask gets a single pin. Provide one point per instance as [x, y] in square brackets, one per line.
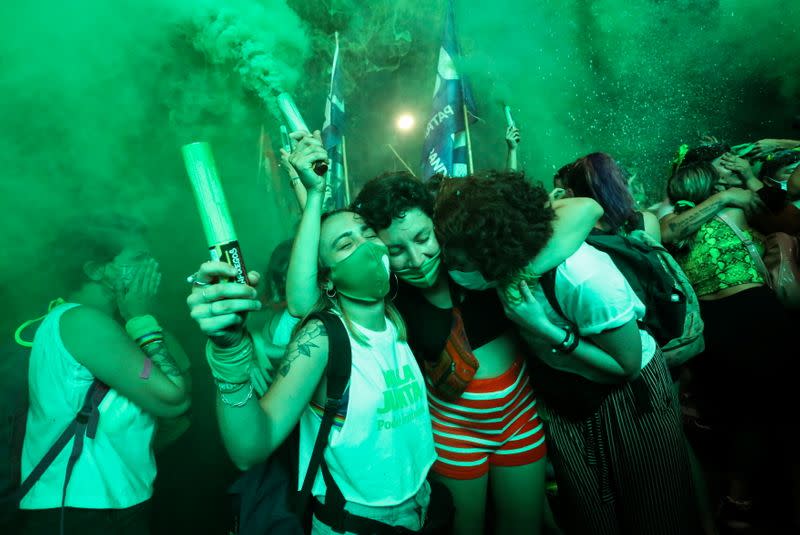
[475, 375]
[381, 446]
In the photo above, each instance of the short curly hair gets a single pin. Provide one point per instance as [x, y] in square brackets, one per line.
[390, 196]
[497, 218]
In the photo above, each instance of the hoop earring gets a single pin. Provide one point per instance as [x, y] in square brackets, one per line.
[396, 286]
[329, 294]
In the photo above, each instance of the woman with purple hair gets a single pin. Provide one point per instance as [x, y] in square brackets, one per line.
[597, 176]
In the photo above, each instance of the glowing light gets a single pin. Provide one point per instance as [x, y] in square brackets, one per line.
[405, 122]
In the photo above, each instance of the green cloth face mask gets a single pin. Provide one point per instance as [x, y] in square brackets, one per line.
[424, 275]
[364, 275]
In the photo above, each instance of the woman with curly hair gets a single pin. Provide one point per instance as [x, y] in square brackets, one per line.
[485, 423]
[613, 423]
[487, 431]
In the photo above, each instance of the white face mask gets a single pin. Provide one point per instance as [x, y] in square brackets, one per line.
[471, 280]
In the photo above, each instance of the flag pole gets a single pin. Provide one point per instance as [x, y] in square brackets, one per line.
[402, 161]
[260, 155]
[471, 168]
[346, 174]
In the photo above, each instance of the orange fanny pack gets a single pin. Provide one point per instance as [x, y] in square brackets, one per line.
[456, 366]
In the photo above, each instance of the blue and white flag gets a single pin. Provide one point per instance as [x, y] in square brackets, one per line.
[445, 147]
[333, 139]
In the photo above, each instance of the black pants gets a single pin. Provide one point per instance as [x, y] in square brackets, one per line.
[745, 385]
[131, 521]
[624, 470]
[746, 375]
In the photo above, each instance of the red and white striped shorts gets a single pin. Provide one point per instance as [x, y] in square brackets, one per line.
[494, 423]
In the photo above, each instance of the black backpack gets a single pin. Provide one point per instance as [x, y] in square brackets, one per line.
[264, 498]
[641, 263]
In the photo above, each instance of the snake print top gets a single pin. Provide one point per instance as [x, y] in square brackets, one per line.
[716, 258]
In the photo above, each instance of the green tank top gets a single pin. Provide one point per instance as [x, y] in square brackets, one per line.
[716, 259]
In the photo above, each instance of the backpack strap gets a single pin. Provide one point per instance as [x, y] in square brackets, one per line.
[340, 359]
[84, 424]
[637, 220]
[750, 246]
[548, 284]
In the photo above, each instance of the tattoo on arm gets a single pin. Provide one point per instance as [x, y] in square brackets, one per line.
[301, 347]
[690, 222]
[157, 351]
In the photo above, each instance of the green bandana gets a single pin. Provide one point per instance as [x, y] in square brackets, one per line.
[423, 276]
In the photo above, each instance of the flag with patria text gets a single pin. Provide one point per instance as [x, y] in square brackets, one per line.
[445, 147]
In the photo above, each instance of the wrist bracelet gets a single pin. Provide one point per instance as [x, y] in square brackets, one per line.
[231, 365]
[570, 342]
[225, 387]
[141, 326]
[240, 403]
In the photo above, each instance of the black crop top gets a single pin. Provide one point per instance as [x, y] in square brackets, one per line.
[429, 326]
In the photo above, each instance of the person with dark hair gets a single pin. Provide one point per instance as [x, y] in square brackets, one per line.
[738, 308]
[102, 331]
[736, 187]
[486, 428]
[599, 177]
[782, 194]
[613, 424]
[271, 326]
[764, 147]
[778, 167]
[380, 447]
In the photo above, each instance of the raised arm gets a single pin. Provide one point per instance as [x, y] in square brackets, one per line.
[765, 146]
[251, 428]
[677, 227]
[575, 218]
[253, 431]
[512, 141]
[138, 363]
[301, 278]
[294, 180]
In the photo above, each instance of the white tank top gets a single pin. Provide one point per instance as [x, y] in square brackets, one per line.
[380, 455]
[116, 469]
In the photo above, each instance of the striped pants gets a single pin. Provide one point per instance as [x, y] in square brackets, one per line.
[494, 423]
[625, 470]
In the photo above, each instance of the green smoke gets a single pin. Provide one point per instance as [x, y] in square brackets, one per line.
[634, 78]
[98, 98]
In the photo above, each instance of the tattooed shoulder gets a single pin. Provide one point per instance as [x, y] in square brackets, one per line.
[310, 337]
